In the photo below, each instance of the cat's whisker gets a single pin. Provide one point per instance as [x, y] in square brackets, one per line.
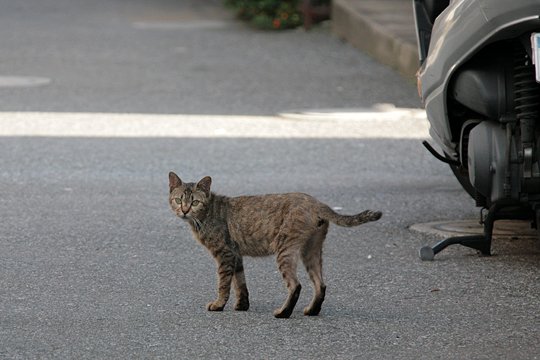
[198, 224]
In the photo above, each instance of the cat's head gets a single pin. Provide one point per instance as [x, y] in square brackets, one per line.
[189, 200]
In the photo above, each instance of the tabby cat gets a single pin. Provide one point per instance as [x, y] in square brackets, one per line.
[292, 226]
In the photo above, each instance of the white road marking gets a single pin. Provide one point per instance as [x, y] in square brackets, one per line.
[54, 124]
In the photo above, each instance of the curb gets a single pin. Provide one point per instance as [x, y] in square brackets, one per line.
[359, 29]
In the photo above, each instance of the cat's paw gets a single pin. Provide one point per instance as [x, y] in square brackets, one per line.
[242, 305]
[312, 311]
[282, 313]
[215, 306]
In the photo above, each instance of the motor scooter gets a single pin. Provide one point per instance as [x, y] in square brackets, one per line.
[479, 82]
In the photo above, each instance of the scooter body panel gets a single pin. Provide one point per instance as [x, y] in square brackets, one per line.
[460, 31]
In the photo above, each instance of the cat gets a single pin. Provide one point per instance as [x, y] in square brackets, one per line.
[291, 226]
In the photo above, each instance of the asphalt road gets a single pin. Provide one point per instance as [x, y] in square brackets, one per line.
[174, 56]
[93, 264]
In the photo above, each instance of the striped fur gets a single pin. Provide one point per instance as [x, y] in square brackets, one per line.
[291, 226]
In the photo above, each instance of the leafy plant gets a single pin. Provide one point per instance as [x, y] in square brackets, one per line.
[268, 14]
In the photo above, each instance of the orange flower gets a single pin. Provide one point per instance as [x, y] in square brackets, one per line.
[276, 23]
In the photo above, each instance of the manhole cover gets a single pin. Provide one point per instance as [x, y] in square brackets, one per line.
[502, 228]
[23, 81]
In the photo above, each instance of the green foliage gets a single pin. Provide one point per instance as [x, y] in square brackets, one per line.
[268, 14]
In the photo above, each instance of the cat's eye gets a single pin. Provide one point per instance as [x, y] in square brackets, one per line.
[178, 201]
[195, 202]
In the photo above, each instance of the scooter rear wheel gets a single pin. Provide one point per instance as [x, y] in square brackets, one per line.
[463, 179]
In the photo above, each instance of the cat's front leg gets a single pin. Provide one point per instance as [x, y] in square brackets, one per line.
[225, 274]
[239, 280]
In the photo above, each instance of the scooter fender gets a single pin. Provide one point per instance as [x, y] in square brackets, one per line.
[459, 32]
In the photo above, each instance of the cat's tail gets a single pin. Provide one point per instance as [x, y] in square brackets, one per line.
[350, 220]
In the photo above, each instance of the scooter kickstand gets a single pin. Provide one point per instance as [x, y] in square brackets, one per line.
[481, 243]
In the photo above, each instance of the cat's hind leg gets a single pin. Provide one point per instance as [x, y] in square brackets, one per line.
[239, 280]
[312, 259]
[287, 260]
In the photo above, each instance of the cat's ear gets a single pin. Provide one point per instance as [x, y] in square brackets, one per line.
[174, 181]
[204, 185]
